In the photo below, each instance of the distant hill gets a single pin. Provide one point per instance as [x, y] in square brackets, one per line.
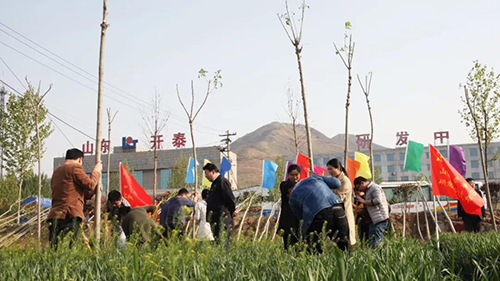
[276, 139]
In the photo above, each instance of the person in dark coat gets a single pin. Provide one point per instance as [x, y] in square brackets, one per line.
[472, 223]
[288, 222]
[221, 205]
[138, 221]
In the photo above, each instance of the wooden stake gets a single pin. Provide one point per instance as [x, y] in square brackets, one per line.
[104, 26]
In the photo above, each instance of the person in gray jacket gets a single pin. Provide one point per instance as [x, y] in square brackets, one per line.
[377, 206]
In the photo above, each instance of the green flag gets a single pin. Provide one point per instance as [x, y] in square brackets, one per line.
[414, 152]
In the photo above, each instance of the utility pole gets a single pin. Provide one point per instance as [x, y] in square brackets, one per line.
[3, 93]
[227, 141]
[98, 137]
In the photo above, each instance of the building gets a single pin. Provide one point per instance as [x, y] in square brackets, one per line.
[390, 161]
[141, 162]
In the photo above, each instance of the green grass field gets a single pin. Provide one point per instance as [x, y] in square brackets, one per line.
[461, 257]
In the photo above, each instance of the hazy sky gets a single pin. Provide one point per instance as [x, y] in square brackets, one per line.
[419, 52]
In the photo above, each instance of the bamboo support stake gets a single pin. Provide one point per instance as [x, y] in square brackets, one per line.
[244, 216]
[258, 223]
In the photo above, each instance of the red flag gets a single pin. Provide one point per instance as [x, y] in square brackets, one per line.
[352, 169]
[132, 191]
[303, 161]
[318, 170]
[447, 181]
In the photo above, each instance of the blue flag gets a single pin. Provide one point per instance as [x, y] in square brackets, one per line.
[190, 171]
[225, 166]
[269, 174]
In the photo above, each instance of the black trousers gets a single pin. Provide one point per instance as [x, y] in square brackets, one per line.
[59, 228]
[472, 223]
[337, 228]
[219, 223]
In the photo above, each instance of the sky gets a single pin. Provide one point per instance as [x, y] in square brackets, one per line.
[419, 53]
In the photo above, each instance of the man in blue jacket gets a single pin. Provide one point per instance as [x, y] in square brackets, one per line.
[315, 205]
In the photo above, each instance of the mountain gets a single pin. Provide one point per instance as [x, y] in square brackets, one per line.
[276, 139]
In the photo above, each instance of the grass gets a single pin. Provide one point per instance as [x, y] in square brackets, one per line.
[462, 257]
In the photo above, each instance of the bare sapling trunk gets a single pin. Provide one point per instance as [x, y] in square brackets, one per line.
[104, 26]
[347, 61]
[482, 155]
[366, 91]
[108, 164]
[154, 123]
[20, 189]
[195, 156]
[36, 107]
[298, 52]
[295, 37]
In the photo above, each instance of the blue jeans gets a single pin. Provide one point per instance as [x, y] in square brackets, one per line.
[376, 233]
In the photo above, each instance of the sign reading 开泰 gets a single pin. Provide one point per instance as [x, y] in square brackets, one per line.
[129, 142]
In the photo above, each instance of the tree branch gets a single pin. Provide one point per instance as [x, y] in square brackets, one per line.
[286, 30]
[204, 101]
[340, 55]
[180, 100]
[192, 99]
[302, 19]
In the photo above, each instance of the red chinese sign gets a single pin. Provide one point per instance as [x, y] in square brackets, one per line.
[105, 146]
[156, 141]
[88, 149]
[363, 140]
[179, 140]
[402, 138]
[441, 136]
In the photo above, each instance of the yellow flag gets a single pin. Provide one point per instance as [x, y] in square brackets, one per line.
[364, 168]
[206, 183]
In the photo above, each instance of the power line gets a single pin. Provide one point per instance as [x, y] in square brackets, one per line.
[48, 112]
[84, 85]
[13, 73]
[88, 73]
[55, 124]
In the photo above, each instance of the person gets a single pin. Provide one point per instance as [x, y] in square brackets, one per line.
[362, 217]
[70, 188]
[115, 207]
[200, 216]
[172, 215]
[377, 206]
[345, 192]
[288, 222]
[315, 205]
[221, 205]
[116, 212]
[138, 221]
[472, 223]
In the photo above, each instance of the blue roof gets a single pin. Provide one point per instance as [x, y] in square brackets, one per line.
[46, 202]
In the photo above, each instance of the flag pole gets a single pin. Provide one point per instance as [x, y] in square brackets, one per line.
[437, 226]
[120, 176]
[434, 199]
